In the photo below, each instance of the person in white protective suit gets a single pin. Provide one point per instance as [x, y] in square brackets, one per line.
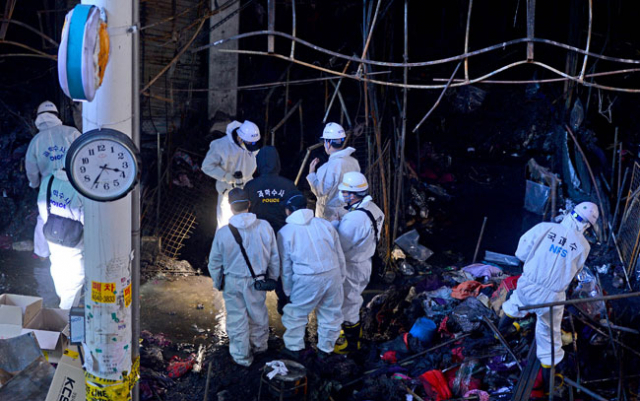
[67, 264]
[324, 183]
[553, 253]
[46, 154]
[359, 232]
[247, 315]
[313, 270]
[231, 160]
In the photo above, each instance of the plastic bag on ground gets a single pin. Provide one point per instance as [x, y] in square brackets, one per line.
[500, 258]
[409, 243]
[464, 380]
[588, 288]
[469, 314]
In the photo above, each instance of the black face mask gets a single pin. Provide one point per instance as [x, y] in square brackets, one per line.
[252, 146]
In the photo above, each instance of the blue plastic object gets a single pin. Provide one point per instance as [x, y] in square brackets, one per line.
[75, 50]
[423, 329]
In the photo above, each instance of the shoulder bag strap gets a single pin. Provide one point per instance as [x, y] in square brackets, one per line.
[49, 196]
[373, 221]
[238, 238]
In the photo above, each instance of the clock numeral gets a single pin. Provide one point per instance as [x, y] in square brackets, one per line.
[101, 148]
[85, 160]
[83, 169]
[125, 165]
[106, 185]
[87, 178]
[120, 155]
[116, 183]
[112, 150]
[91, 152]
[122, 175]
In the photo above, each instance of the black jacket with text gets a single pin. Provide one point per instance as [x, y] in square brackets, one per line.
[268, 191]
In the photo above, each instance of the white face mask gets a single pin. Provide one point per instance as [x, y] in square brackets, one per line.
[341, 197]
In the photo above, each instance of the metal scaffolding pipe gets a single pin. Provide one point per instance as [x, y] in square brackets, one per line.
[579, 301]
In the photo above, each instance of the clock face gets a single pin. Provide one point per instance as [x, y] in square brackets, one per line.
[103, 167]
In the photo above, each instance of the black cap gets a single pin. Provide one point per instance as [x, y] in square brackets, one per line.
[237, 195]
[295, 201]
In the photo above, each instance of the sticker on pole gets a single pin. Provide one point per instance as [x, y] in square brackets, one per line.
[103, 292]
[127, 296]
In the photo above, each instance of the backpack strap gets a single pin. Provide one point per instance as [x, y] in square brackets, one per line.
[238, 238]
[49, 196]
[373, 221]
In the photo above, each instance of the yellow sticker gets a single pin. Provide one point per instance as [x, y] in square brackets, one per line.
[103, 292]
[127, 296]
[71, 353]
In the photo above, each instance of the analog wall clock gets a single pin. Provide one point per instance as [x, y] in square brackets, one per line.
[103, 165]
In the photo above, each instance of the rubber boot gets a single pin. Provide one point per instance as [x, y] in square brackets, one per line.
[349, 339]
[507, 326]
[558, 384]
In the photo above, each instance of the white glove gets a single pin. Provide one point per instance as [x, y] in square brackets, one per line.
[228, 178]
[279, 368]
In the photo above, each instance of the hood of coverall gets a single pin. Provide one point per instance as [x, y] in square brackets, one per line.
[243, 220]
[570, 222]
[47, 120]
[268, 161]
[342, 153]
[300, 217]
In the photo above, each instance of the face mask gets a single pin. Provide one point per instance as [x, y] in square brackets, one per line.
[251, 146]
[341, 197]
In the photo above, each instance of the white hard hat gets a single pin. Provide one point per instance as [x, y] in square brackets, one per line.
[353, 181]
[249, 132]
[333, 131]
[47, 107]
[586, 211]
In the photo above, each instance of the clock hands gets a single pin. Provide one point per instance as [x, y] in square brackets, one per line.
[95, 182]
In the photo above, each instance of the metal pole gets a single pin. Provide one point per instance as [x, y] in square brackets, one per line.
[475, 254]
[552, 377]
[579, 301]
[613, 157]
[531, 22]
[335, 93]
[502, 340]
[400, 168]
[108, 225]
[304, 161]
[585, 390]
[135, 202]
[271, 16]
[282, 122]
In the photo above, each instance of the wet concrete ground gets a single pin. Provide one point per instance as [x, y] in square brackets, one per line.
[169, 305]
[21, 273]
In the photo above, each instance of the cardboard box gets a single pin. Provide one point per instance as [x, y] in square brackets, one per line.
[10, 321]
[68, 381]
[50, 327]
[29, 305]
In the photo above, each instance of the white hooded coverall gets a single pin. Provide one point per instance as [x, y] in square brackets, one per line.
[324, 183]
[247, 315]
[223, 159]
[67, 264]
[46, 154]
[552, 254]
[313, 270]
[358, 240]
